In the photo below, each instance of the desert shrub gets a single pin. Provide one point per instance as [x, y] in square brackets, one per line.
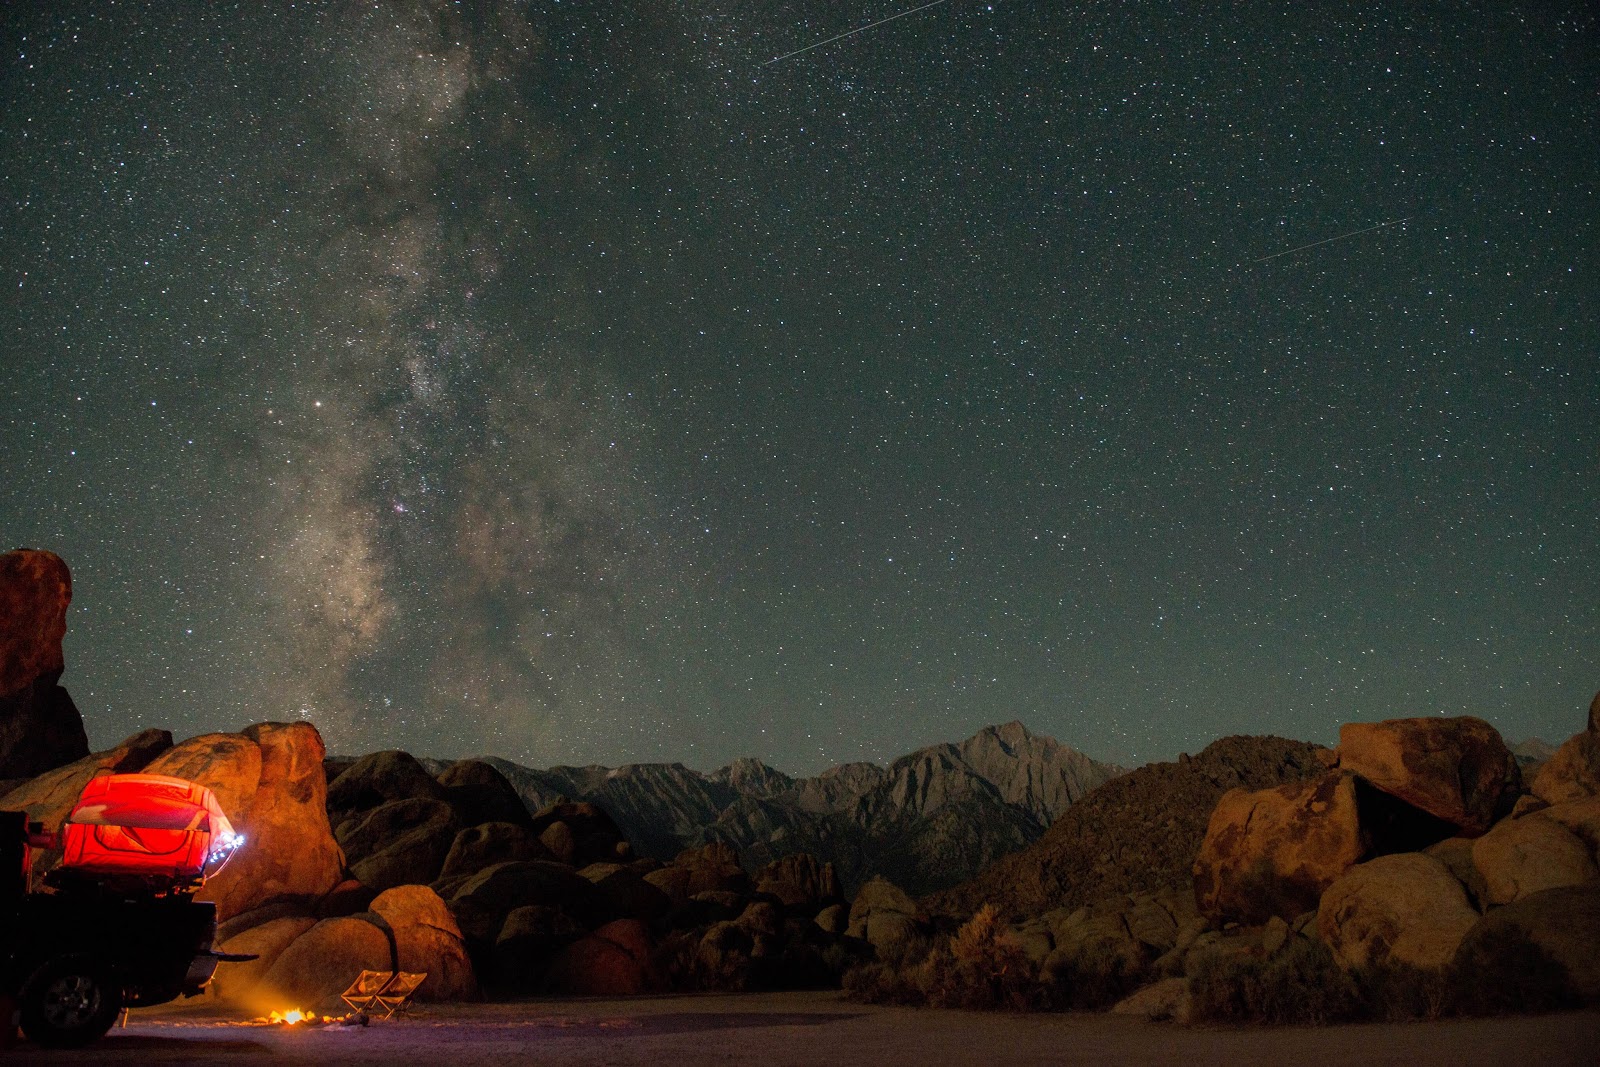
[1502, 972]
[1398, 992]
[908, 951]
[1091, 981]
[878, 983]
[978, 967]
[1303, 984]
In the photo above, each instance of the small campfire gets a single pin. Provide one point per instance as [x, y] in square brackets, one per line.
[301, 1017]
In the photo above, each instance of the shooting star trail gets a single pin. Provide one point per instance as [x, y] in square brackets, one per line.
[1330, 240]
[850, 33]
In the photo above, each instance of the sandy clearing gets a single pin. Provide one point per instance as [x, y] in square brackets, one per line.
[811, 1029]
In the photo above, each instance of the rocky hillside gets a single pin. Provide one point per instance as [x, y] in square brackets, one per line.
[1138, 833]
[930, 819]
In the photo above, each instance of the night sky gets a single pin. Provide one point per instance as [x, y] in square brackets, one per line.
[568, 382]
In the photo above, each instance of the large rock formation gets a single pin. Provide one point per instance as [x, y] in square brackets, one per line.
[489, 843]
[613, 961]
[227, 764]
[238, 983]
[40, 728]
[428, 940]
[884, 916]
[1137, 833]
[1520, 857]
[1456, 769]
[483, 902]
[1275, 851]
[270, 783]
[480, 794]
[801, 883]
[399, 842]
[320, 963]
[378, 778]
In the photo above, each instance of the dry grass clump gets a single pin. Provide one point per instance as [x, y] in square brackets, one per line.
[1302, 984]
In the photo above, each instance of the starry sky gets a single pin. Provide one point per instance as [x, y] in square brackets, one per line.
[571, 382]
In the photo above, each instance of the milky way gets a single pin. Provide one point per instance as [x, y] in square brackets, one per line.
[572, 383]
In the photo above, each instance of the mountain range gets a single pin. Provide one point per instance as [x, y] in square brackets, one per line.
[929, 820]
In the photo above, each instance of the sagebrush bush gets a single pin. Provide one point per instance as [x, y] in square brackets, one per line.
[1092, 980]
[980, 967]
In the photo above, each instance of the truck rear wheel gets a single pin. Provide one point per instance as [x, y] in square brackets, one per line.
[69, 1002]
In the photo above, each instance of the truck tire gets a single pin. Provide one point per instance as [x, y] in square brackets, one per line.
[69, 1002]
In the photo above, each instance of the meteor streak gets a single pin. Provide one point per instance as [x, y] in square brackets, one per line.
[1330, 240]
[850, 33]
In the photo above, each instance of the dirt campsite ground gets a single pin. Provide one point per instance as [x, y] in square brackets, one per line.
[808, 1030]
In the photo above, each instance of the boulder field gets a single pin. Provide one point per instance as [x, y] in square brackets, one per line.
[1414, 844]
[452, 875]
[1419, 846]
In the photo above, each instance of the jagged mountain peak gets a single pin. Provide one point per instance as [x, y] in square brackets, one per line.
[1011, 733]
[750, 775]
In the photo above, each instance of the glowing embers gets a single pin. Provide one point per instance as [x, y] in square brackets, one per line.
[300, 1017]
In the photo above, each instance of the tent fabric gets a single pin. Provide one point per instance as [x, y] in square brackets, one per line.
[144, 825]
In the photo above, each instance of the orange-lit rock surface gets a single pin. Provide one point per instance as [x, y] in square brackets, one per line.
[1456, 769]
[1275, 851]
[428, 940]
[270, 782]
[1573, 773]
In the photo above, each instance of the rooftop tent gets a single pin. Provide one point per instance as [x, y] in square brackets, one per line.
[147, 826]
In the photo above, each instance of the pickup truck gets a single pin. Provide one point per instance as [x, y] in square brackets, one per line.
[116, 924]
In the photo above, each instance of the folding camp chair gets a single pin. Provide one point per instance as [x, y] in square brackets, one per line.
[395, 997]
[365, 989]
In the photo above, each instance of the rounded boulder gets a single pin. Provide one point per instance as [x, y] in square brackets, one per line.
[1406, 907]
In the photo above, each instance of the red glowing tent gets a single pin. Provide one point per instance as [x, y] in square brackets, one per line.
[147, 826]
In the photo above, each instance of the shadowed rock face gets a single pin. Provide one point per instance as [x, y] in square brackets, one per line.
[378, 778]
[40, 728]
[1563, 922]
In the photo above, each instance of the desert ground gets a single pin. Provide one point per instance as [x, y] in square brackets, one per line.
[806, 1029]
